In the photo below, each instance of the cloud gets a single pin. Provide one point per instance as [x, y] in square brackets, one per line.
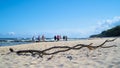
[11, 33]
[95, 29]
[107, 24]
[7, 35]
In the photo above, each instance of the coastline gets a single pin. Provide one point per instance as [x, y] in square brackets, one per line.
[99, 58]
[19, 41]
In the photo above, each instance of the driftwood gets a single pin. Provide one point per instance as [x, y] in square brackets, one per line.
[40, 53]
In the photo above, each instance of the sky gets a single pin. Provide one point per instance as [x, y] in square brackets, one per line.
[74, 18]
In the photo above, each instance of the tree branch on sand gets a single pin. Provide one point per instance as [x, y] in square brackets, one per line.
[40, 53]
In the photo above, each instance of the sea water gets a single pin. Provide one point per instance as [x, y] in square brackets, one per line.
[11, 43]
[18, 41]
[14, 41]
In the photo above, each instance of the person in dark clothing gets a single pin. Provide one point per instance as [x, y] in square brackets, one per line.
[63, 38]
[39, 38]
[55, 38]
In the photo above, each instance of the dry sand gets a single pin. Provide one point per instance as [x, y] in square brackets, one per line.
[83, 58]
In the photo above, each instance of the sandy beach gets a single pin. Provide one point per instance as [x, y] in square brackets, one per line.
[83, 58]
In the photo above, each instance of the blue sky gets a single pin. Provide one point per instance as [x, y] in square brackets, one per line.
[75, 18]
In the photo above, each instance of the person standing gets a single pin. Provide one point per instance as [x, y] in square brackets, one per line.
[58, 37]
[39, 38]
[33, 39]
[66, 38]
[55, 38]
[43, 38]
[63, 38]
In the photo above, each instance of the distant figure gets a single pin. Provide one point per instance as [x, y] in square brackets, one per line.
[66, 38]
[63, 38]
[39, 38]
[55, 38]
[58, 37]
[33, 38]
[43, 38]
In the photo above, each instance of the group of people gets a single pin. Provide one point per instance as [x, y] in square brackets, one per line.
[42, 38]
[65, 38]
[58, 37]
[38, 39]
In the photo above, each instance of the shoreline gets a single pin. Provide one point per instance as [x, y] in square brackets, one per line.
[20, 42]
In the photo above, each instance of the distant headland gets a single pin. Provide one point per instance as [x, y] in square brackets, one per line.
[113, 32]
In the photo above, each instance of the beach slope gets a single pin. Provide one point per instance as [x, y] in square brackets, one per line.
[83, 58]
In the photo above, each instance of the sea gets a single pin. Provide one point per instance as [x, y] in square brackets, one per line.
[14, 41]
[18, 41]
